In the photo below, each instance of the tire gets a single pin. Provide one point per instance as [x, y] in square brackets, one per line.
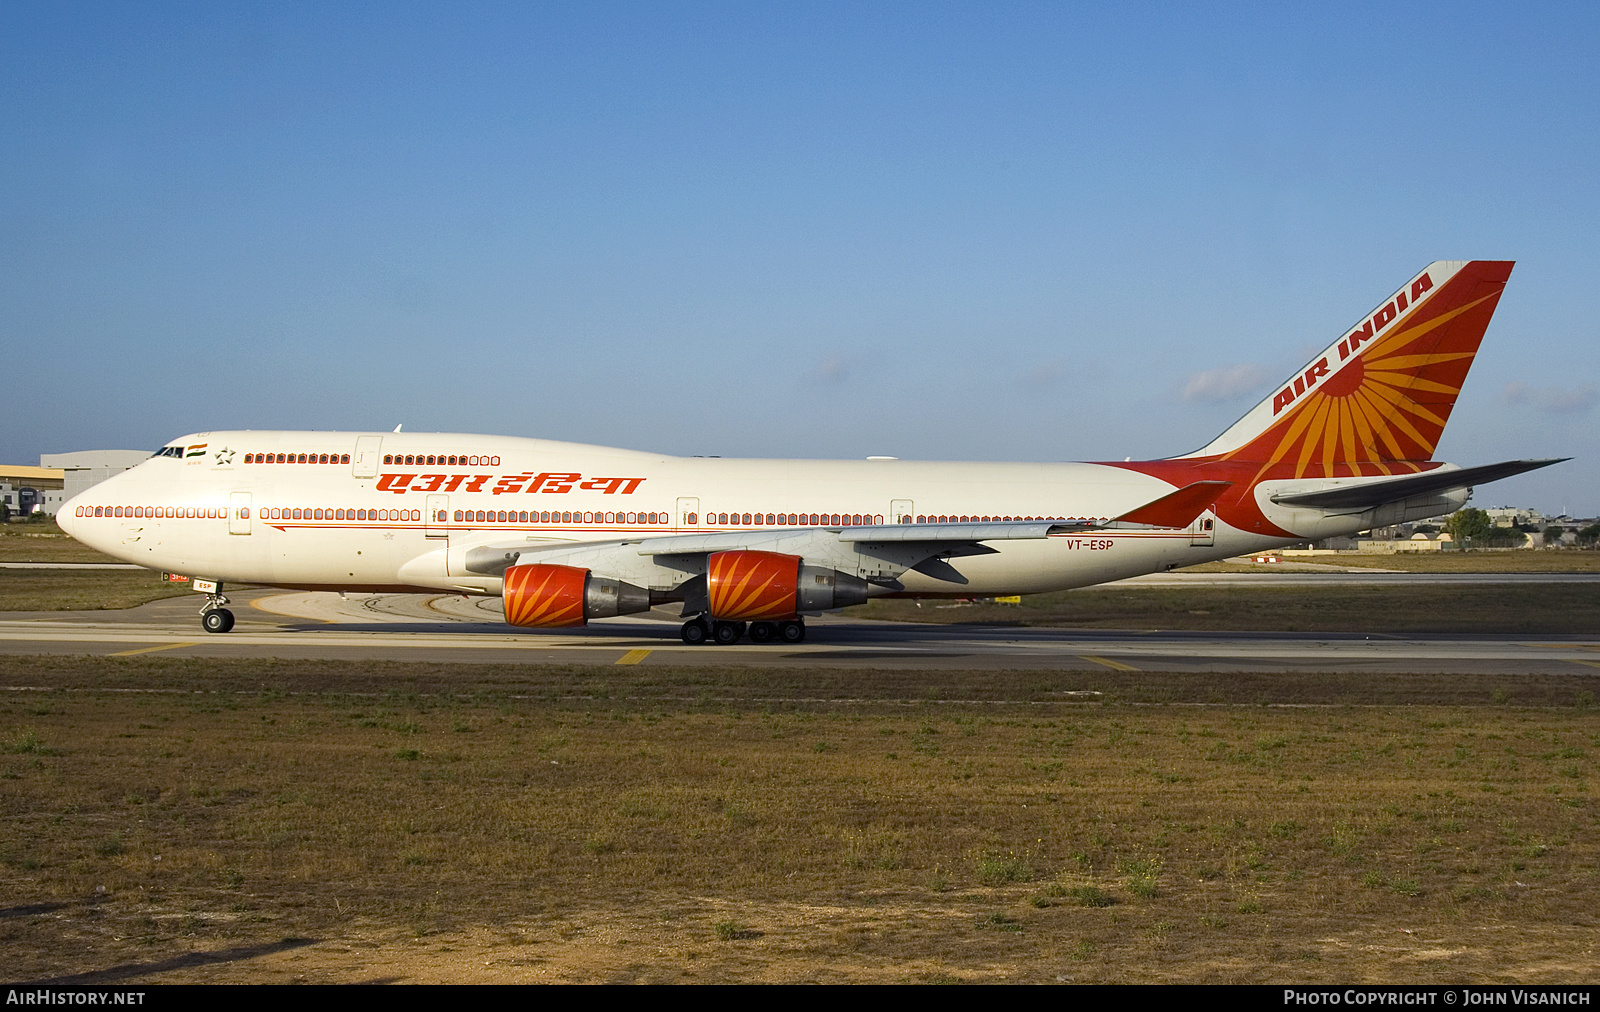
[694, 632]
[727, 633]
[763, 632]
[792, 632]
[217, 620]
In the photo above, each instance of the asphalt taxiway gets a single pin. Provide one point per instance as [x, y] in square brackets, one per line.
[450, 629]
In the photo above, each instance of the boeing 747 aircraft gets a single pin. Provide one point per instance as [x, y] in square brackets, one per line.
[564, 532]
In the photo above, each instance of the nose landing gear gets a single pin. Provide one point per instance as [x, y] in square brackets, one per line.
[216, 620]
[214, 616]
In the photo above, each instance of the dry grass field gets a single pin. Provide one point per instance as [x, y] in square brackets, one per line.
[68, 590]
[91, 590]
[44, 542]
[171, 820]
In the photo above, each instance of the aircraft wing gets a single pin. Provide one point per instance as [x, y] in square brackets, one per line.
[1369, 494]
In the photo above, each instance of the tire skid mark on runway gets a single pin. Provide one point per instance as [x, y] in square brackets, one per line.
[151, 650]
[260, 604]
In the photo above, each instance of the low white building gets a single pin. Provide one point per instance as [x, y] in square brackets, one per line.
[86, 468]
[26, 489]
[1515, 516]
[1392, 546]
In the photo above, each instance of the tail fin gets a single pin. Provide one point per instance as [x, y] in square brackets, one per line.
[1383, 392]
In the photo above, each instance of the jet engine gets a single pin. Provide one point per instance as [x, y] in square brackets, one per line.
[768, 586]
[562, 596]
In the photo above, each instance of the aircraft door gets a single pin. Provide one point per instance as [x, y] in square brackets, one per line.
[239, 513]
[688, 513]
[902, 511]
[364, 462]
[438, 525]
[1204, 529]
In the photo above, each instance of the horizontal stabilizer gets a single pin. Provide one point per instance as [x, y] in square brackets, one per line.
[1376, 493]
[1177, 509]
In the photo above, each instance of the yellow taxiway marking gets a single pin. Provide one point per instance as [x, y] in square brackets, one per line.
[1592, 664]
[151, 650]
[633, 657]
[1114, 665]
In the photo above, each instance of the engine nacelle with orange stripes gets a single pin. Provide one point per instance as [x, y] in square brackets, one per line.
[768, 586]
[544, 596]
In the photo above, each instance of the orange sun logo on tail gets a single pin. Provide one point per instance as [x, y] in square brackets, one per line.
[1379, 398]
[1374, 403]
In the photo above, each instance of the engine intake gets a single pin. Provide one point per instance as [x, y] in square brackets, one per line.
[546, 596]
[769, 586]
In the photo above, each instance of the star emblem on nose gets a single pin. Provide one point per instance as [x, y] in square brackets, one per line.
[224, 456]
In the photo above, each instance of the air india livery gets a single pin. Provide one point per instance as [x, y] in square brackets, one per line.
[564, 533]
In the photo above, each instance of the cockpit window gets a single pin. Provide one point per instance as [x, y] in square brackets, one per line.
[169, 451]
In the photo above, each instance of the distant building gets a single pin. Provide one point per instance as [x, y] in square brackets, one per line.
[1393, 546]
[26, 489]
[1515, 516]
[86, 468]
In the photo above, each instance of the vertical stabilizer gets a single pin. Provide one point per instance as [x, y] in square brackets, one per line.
[1383, 391]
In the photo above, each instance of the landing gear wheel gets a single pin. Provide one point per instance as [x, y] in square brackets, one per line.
[727, 633]
[694, 632]
[762, 632]
[792, 632]
[217, 620]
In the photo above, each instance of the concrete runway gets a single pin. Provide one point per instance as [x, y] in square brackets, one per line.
[457, 630]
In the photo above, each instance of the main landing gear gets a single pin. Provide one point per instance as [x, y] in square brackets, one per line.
[214, 617]
[700, 630]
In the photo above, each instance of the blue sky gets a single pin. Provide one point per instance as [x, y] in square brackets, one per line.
[1018, 231]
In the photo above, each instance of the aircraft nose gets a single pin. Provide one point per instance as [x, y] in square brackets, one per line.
[66, 515]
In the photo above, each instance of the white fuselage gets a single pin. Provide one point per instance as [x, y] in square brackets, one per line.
[371, 521]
